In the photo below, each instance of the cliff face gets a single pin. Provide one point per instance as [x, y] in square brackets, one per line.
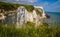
[20, 13]
[23, 15]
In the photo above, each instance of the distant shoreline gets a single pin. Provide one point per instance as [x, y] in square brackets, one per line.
[53, 12]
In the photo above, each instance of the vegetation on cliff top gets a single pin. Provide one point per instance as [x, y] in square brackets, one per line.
[8, 6]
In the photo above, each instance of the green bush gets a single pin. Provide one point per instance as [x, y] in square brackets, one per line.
[9, 6]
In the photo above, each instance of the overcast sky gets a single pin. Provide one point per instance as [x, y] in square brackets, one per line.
[49, 5]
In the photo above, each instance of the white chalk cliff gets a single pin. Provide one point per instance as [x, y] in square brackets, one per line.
[23, 15]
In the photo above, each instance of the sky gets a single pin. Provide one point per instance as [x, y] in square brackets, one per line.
[48, 5]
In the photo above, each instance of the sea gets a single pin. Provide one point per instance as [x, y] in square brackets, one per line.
[54, 18]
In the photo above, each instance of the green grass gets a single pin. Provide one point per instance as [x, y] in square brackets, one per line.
[29, 30]
[9, 6]
[38, 12]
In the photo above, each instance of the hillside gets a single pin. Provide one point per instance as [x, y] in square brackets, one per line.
[9, 6]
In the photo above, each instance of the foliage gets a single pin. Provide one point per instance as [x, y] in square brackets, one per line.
[29, 8]
[29, 30]
[38, 12]
[9, 6]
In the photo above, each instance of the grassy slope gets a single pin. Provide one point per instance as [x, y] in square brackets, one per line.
[8, 6]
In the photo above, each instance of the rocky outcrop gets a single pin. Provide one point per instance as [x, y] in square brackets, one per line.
[23, 15]
[2, 17]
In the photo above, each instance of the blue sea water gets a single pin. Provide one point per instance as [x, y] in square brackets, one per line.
[54, 18]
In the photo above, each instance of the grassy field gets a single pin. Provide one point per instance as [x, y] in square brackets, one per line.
[29, 30]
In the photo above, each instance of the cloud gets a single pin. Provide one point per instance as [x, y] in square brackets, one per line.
[17, 1]
[28, 0]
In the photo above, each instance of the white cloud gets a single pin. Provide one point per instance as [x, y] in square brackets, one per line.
[20, 1]
[28, 0]
[17, 0]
